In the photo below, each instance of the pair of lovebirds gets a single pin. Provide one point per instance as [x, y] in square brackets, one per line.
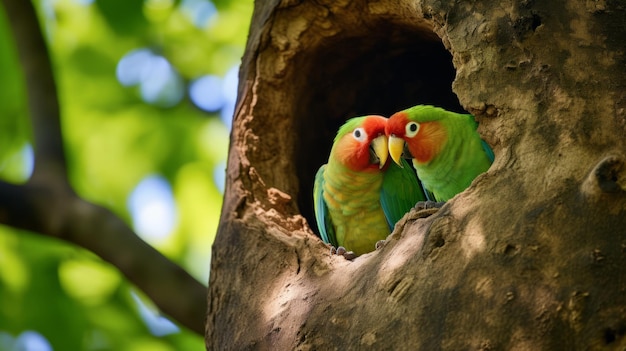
[360, 194]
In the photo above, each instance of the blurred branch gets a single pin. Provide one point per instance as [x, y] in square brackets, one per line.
[43, 101]
[54, 212]
[46, 204]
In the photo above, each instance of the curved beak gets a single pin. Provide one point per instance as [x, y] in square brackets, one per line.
[396, 147]
[379, 145]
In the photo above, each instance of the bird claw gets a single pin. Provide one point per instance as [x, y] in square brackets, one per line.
[428, 204]
[424, 209]
[380, 244]
[341, 251]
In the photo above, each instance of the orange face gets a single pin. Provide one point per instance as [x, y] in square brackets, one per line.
[365, 147]
[424, 140]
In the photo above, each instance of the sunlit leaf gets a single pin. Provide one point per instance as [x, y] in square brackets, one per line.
[158, 10]
[14, 275]
[17, 166]
[200, 210]
[142, 344]
[89, 281]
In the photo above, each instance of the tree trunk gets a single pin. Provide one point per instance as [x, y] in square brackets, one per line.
[531, 257]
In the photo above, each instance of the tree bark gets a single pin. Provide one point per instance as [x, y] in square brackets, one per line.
[531, 257]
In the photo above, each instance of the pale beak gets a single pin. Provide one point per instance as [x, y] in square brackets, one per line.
[379, 145]
[396, 147]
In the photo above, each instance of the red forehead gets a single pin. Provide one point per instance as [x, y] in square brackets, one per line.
[396, 123]
[374, 124]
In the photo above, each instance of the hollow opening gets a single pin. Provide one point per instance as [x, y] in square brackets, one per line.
[611, 335]
[382, 72]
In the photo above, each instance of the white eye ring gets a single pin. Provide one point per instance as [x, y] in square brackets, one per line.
[359, 134]
[411, 129]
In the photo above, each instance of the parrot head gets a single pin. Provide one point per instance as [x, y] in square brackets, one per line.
[361, 143]
[417, 130]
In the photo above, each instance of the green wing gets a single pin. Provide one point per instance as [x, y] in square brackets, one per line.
[486, 147]
[401, 190]
[324, 222]
[488, 150]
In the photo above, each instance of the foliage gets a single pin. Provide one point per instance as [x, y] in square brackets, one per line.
[137, 142]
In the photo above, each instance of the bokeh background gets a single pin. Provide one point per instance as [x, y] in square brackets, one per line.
[147, 90]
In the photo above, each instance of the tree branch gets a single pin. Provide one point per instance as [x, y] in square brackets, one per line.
[50, 164]
[47, 205]
[58, 213]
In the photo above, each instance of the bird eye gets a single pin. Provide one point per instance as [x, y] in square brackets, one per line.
[359, 134]
[411, 129]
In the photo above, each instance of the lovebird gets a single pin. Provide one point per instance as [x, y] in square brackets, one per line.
[360, 194]
[446, 149]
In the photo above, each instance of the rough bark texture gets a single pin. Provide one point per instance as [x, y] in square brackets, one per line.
[531, 257]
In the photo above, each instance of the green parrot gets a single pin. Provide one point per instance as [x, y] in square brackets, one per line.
[359, 194]
[446, 148]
